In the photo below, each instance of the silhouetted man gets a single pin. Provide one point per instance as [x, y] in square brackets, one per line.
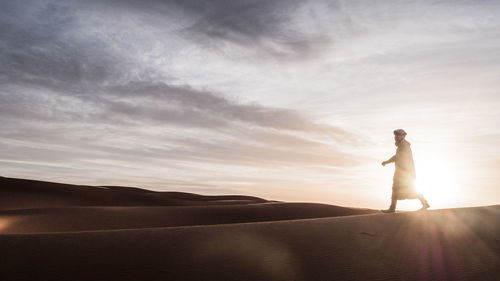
[403, 186]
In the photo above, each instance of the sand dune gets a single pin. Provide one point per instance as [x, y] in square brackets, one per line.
[24, 194]
[255, 241]
[34, 206]
[107, 218]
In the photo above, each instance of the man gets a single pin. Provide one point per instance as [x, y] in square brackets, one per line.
[403, 186]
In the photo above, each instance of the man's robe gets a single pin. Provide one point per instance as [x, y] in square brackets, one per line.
[403, 186]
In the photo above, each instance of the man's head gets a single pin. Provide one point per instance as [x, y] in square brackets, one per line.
[399, 135]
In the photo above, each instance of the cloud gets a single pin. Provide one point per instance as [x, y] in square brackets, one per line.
[264, 25]
[37, 46]
[71, 97]
[156, 103]
[44, 50]
[266, 28]
[160, 99]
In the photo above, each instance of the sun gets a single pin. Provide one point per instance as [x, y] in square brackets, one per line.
[437, 182]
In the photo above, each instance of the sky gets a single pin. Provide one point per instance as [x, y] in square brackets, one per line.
[285, 100]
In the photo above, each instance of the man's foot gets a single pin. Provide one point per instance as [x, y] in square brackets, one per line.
[424, 207]
[388, 211]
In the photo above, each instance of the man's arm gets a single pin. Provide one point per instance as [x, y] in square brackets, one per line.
[392, 159]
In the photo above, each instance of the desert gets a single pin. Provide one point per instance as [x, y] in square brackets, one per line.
[136, 234]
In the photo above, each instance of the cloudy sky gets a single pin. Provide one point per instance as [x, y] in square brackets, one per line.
[286, 100]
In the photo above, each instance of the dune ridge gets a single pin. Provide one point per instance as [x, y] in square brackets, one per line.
[22, 194]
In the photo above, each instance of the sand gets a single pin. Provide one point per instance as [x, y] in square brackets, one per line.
[68, 232]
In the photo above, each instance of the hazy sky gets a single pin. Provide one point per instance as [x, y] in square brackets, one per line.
[286, 100]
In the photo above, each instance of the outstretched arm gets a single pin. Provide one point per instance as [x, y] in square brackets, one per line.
[392, 159]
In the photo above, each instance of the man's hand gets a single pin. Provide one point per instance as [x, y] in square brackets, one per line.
[383, 163]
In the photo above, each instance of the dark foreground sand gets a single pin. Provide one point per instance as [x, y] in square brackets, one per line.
[63, 232]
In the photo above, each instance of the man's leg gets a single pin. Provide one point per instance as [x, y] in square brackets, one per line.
[425, 204]
[394, 201]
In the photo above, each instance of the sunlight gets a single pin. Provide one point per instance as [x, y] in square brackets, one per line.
[437, 182]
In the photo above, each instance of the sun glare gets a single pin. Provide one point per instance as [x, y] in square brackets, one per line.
[437, 182]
